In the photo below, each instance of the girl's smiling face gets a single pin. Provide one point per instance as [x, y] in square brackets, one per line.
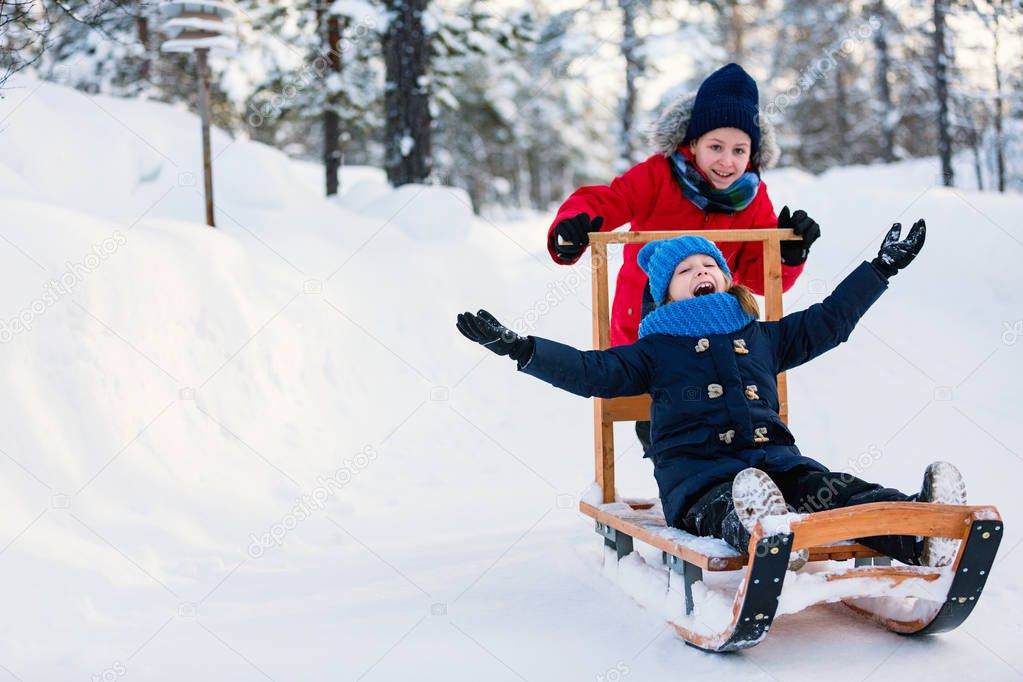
[722, 154]
[697, 275]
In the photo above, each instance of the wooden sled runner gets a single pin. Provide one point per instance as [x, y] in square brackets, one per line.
[910, 600]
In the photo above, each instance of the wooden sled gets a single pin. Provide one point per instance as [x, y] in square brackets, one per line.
[910, 600]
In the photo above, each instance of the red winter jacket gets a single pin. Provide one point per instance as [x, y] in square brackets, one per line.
[648, 197]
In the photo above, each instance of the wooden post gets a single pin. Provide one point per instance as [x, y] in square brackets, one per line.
[204, 116]
[773, 309]
[603, 425]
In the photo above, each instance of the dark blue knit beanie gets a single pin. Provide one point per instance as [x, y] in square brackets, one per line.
[728, 98]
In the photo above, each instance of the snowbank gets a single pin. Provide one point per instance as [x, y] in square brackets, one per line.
[440, 213]
[264, 451]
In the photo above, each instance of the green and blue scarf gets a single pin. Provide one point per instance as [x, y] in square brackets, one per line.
[698, 189]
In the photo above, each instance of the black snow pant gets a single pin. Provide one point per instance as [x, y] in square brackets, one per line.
[805, 492]
[643, 433]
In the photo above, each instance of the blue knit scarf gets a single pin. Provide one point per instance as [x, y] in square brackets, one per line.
[698, 189]
[718, 313]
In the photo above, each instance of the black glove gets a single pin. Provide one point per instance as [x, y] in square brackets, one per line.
[794, 252]
[895, 255]
[484, 329]
[575, 231]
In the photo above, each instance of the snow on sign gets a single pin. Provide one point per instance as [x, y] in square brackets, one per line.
[199, 25]
[214, 7]
[217, 45]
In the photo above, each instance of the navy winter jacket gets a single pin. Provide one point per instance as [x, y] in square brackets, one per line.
[715, 411]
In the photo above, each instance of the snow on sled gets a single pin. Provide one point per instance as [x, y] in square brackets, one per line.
[910, 600]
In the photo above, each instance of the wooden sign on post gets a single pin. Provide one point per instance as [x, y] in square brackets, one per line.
[201, 26]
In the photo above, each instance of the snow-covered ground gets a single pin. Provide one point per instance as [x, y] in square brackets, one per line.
[264, 451]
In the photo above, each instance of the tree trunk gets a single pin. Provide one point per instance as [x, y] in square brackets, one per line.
[331, 120]
[941, 88]
[842, 115]
[884, 91]
[634, 65]
[736, 32]
[975, 145]
[142, 30]
[406, 93]
[999, 110]
[544, 185]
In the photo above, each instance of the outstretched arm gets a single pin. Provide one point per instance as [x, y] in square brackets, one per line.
[618, 371]
[612, 373]
[802, 336]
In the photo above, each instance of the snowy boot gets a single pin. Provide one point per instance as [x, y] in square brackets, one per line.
[755, 496]
[943, 484]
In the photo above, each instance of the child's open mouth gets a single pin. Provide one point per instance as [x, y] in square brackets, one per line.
[704, 288]
[723, 176]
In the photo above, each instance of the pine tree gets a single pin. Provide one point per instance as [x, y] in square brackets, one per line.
[319, 96]
[23, 33]
[826, 102]
[114, 49]
[107, 49]
[407, 156]
[477, 68]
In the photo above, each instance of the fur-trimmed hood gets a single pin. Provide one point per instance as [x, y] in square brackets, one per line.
[670, 129]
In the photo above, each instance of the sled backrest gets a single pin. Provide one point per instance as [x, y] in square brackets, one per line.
[607, 411]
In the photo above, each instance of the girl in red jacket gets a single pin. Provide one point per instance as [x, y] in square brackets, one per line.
[705, 175]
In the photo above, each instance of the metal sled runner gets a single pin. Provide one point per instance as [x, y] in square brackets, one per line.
[909, 600]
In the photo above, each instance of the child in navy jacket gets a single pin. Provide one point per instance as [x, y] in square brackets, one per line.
[723, 459]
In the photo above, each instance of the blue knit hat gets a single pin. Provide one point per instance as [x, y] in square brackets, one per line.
[659, 259]
[728, 98]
